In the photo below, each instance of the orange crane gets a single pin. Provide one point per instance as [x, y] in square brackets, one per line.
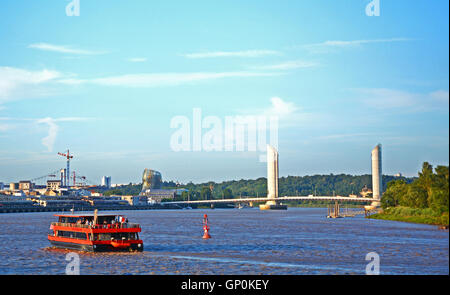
[67, 176]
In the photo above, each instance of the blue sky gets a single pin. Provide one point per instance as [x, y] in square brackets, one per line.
[106, 85]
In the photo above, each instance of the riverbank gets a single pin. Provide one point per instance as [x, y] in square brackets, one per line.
[413, 215]
[30, 209]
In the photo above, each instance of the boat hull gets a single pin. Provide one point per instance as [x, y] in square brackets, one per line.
[96, 248]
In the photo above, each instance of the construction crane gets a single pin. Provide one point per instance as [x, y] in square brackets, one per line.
[68, 157]
[84, 181]
[52, 174]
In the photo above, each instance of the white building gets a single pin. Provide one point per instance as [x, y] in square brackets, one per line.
[106, 181]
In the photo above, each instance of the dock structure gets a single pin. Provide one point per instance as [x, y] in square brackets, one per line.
[334, 212]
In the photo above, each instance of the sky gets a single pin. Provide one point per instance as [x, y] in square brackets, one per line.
[120, 83]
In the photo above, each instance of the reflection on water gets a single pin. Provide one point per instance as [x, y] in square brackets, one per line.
[249, 241]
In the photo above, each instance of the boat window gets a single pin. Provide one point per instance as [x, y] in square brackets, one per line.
[104, 237]
[65, 219]
[105, 219]
[72, 235]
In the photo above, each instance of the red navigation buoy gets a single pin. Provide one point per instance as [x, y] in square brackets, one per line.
[206, 227]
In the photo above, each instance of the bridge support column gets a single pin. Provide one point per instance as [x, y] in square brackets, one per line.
[272, 205]
[377, 178]
[272, 181]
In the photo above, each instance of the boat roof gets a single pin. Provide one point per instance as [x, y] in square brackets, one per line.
[85, 215]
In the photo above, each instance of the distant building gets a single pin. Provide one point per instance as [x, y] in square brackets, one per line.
[25, 185]
[366, 192]
[158, 195]
[135, 200]
[106, 181]
[398, 175]
[151, 179]
[53, 184]
[13, 186]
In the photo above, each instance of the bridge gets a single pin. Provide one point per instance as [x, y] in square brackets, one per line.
[279, 199]
[273, 201]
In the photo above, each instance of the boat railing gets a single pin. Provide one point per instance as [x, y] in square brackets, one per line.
[98, 226]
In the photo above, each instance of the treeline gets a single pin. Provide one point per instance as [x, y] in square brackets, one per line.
[429, 190]
[319, 185]
[324, 185]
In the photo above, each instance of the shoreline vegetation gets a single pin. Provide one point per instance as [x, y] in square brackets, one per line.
[413, 215]
[425, 200]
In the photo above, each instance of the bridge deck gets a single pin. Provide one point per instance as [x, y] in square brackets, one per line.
[286, 198]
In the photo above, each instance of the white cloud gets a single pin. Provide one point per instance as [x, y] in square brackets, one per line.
[383, 98]
[63, 49]
[137, 59]
[53, 129]
[288, 113]
[5, 127]
[339, 43]
[246, 53]
[19, 82]
[333, 44]
[289, 65]
[280, 108]
[345, 136]
[162, 79]
[441, 96]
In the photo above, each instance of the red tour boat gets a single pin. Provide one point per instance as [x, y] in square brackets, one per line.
[95, 233]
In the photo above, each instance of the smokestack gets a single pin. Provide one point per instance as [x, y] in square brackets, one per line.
[377, 184]
[272, 172]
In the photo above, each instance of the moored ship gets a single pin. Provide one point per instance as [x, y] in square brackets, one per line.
[95, 233]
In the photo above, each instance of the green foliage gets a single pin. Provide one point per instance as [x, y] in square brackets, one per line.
[416, 215]
[117, 192]
[395, 193]
[428, 194]
[324, 185]
[429, 190]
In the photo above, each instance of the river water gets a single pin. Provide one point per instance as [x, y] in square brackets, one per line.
[247, 241]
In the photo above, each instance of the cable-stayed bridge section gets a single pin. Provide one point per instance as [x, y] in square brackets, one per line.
[279, 199]
[274, 202]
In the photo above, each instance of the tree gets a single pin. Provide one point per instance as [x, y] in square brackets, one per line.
[205, 193]
[439, 198]
[417, 196]
[426, 178]
[227, 193]
[395, 194]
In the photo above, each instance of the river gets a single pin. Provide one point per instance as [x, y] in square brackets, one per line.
[244, 242]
